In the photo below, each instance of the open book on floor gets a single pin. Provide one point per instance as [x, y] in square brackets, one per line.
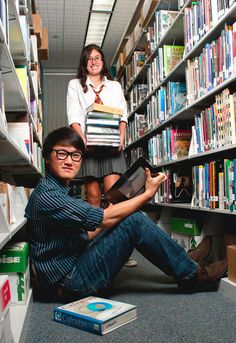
[96, 315]
[131, 183]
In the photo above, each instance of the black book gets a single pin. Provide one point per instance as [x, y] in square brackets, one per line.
[131, 183]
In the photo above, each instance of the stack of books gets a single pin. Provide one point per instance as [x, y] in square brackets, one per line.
[102, 125]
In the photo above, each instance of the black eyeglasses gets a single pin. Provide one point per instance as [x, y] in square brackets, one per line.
[63, 154]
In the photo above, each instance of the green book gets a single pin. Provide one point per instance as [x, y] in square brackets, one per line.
[173, 54]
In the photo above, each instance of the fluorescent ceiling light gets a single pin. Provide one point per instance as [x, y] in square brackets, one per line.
[98, 21]
[103, 5]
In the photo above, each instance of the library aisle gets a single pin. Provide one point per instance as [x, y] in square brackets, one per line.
[175, 63]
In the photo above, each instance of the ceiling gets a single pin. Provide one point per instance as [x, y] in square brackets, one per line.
[67, 22]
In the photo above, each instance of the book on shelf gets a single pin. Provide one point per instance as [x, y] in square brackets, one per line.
[131, 183]
[172, 55]
[104, 108]
[180, 186]
[165, 20]
[95, 314]
[176, 96]
[180, 142]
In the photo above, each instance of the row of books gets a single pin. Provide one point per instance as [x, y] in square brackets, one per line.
[136, 96]
[137, 127]
[102, 125]
[215, 127]
[165, 102]
[171, 144]
[163, 20]
[214, 185]
[200, 18]
[167, 58]
[177, 188]
[216, 63]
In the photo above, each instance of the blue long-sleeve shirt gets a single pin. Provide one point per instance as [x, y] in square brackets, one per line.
[57, 226]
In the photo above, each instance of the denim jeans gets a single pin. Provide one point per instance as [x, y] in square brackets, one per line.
[96, 268]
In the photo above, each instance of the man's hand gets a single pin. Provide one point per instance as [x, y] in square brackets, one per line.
[153, 183]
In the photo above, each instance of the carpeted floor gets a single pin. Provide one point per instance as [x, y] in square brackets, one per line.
[164, 316]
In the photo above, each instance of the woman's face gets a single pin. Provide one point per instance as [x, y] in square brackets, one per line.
[95, 63]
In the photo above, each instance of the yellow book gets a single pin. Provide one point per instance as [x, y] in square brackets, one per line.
[104, 108]
[23, 78]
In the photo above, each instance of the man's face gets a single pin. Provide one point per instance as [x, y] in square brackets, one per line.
[63, 166]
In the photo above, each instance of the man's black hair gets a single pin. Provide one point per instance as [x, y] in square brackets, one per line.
[65, 136]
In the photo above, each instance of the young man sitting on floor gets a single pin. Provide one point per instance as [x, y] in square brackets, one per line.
[80, 248]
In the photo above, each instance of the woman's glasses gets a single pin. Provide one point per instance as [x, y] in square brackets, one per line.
[63, 154]
[95, 59]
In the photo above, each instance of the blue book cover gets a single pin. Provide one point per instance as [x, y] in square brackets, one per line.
[96, 315]
[178, 96]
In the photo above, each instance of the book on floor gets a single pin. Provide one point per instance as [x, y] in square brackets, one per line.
[131, 183]
[96, 315]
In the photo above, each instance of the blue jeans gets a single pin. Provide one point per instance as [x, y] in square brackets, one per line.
[96, 268]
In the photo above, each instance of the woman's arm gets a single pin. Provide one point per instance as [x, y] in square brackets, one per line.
[78, 129]
[122, 134]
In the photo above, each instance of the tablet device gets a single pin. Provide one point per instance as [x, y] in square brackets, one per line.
[131, 183]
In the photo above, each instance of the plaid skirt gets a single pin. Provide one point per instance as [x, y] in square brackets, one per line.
[102, 162]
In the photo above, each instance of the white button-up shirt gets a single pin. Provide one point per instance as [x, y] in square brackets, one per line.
[78, 101]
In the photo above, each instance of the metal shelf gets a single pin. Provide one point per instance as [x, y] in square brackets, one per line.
[16, 41]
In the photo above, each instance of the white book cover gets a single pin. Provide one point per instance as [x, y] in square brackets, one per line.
[95, 314]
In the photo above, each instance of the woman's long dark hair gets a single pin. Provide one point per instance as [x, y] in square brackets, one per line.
[82, 72]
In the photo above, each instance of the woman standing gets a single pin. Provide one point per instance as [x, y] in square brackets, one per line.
[93, 84]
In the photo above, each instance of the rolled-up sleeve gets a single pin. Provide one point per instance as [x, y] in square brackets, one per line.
[75, 111]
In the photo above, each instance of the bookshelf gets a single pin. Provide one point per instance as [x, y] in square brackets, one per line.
[21, 123]
[151, 78]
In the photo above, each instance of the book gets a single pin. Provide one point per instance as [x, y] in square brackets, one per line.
[180, 142]
[131, 183]
[96, 315]
[104, 108]
[103, 122]
[172, 54]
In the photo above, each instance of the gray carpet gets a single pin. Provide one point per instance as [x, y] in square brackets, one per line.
[164, 316]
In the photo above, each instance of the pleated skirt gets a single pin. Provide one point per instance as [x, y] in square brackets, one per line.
[101, 163]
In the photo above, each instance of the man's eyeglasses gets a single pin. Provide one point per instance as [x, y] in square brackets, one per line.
[95, 59]
[63, 154]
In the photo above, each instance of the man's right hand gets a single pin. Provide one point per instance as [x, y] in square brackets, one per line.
[153, 183]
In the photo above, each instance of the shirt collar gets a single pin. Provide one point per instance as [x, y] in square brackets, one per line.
[104, 81]
[57, 183]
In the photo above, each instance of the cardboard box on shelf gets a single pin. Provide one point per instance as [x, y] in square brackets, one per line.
[138, 29]
[185, 232]
[19, 286]
[14, 257]
[43, 47]
[5, 295]
[129, 45]
[14, 262]
[147, 10]
[37, 27]
[231, 259]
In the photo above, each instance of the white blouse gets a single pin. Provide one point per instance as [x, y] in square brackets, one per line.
[78, 101]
